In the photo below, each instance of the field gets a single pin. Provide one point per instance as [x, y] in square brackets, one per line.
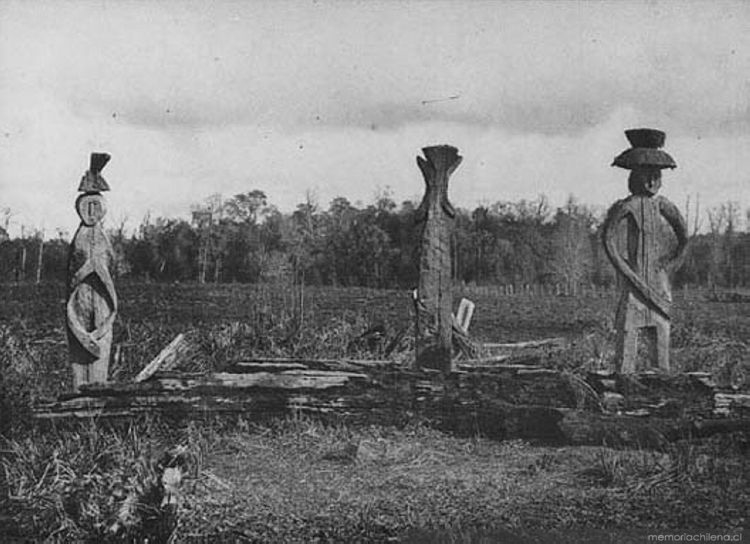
[300, 481]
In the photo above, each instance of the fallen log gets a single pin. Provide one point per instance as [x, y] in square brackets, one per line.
[691, 395]
[272, 364]
[582, 428]
[511, 401]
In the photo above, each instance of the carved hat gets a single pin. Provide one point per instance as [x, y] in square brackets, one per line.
[646, 150]
[92, 181]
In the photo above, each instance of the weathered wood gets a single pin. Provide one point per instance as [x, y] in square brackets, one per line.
[464, 404]
[489, 364]
[399, 389]
[270, 363]
[492, 361]
[267, 367]
[649, 394]
[92, 302]
[433, 301]
[278, 364]
[505, 401]
[688, 396]
[168, 357]
[726, 404]
[464, 314]
[557, 342]
[581, 428]
[289, 379]
[645, 302]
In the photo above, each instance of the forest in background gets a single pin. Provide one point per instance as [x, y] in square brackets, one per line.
[247, 239]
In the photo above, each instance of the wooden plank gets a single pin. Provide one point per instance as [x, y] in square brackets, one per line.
[558, 342]
[464, 314]
[319, 364]
[727, 403]
[266, 367]
[285, 380]
[263, 364]
[166, 355]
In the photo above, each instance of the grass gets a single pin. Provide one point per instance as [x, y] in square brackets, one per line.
[299, 481]
[74, 485]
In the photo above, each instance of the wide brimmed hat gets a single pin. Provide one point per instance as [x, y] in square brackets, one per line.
[645, 151]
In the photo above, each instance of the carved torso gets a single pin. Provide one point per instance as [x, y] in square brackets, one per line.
[92, 301]
[643, 241]
[642, 263]
[434, 254]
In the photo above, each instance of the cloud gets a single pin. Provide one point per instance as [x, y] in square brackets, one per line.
[195, 98]
[545, 67]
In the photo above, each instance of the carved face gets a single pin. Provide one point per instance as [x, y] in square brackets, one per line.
[90, 208]
[644, 181]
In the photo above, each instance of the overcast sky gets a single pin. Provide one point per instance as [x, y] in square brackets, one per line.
[197, 98]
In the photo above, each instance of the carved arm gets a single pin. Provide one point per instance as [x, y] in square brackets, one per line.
[672, 214]
[617, 213]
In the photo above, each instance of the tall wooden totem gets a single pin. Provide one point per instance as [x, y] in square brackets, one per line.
[92, 301]
[640, 258]
[433, 298]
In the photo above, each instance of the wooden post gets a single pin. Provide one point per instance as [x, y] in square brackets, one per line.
[92, 301]
[645, 299]
[433, 298]
[465, 313]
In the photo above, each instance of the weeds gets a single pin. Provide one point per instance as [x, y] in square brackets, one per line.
[94, 484]
[297, 480]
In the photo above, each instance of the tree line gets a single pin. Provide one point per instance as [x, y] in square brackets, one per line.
[246, 239]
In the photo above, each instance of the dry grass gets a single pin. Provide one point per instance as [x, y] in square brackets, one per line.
[298, 481]
[85, 483]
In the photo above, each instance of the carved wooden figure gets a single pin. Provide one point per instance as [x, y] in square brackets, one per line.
[92, 301]
[433, 298]
[645, 301]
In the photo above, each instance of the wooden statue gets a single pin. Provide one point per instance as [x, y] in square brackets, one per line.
[645, 301]
[433, 298]
[92, 301]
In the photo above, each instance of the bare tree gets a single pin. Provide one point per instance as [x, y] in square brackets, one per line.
[204, 218]
[571, 245]
[722, 220]
[39, 261]
[697, 223]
